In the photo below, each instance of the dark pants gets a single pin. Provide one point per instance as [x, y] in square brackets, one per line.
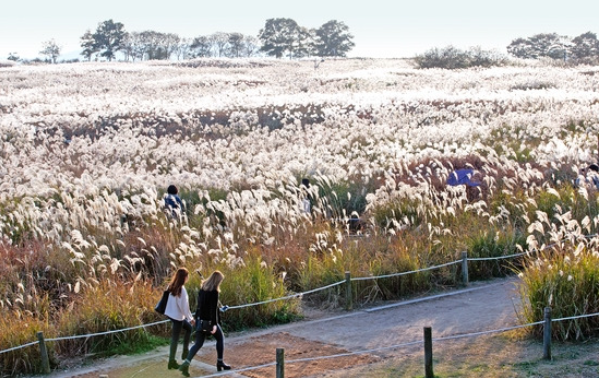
[201, 336]
[177, 326]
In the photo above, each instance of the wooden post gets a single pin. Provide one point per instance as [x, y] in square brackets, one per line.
[44, 353]
[465, 268]
[547, 334]
[428, 353]
[348, 292]
[280, 363]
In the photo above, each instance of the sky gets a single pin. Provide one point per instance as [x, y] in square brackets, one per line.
[381, 28]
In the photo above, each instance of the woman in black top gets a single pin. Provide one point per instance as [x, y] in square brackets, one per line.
[207, 311]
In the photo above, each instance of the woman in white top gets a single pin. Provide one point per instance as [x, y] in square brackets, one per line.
[177, 309]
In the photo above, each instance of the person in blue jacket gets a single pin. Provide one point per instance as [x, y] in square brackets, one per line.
[172, 202]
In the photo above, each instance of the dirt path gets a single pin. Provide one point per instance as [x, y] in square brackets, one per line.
[480, 307]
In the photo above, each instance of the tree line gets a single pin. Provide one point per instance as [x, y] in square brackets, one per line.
[280, 37]
[583, 49]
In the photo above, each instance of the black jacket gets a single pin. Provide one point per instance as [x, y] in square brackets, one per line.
[208, 306]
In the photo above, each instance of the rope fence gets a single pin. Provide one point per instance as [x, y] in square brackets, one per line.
[107, 332]
[18, 347]
[297, 295]
[405, 273]
[464, 261]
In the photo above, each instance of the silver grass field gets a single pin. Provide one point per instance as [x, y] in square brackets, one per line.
[87, 151]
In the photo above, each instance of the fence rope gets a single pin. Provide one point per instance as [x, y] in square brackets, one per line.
[296, 295]
[576, 317]
[496, 258]
[19, 347]
[405, 273]
[107, 332]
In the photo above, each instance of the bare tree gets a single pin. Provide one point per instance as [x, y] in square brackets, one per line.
[183, 50]
[170, 43]
[51, 50]
[220, 43]
[251, 46]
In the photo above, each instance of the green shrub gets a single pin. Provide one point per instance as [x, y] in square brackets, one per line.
[493, 243]
[453, 58]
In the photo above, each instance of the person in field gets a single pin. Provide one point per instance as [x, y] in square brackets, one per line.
[589, 177]
[207, 311]
[469, 178]
[177, 310]
[306, 196]
[172, 203]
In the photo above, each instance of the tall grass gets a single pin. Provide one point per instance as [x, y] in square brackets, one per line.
[20, 329]
[566, 280]
[106, 306]
[81, 218]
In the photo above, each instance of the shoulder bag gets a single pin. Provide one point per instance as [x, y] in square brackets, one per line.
[161, 306]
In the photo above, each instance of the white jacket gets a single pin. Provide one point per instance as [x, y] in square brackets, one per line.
[177, 308]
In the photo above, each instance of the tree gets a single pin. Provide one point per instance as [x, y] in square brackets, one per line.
[88, 43]
[303, 44]
[220, 43]
[151, 42]
[539, 45]
[170, 43]
[236, 45]
[278, 36]
[109, 38]
[333, 39]
[251, 46]
[201, 47]
[183, 49]
[13, 56]
[585, 48]
[51, 50]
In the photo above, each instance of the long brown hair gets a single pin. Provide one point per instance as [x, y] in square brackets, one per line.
[178, 281]
[213, 282]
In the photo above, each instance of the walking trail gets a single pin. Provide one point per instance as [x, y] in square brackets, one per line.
[355, 338]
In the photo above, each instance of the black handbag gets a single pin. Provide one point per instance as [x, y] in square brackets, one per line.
[204, 325]
[161, 306]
